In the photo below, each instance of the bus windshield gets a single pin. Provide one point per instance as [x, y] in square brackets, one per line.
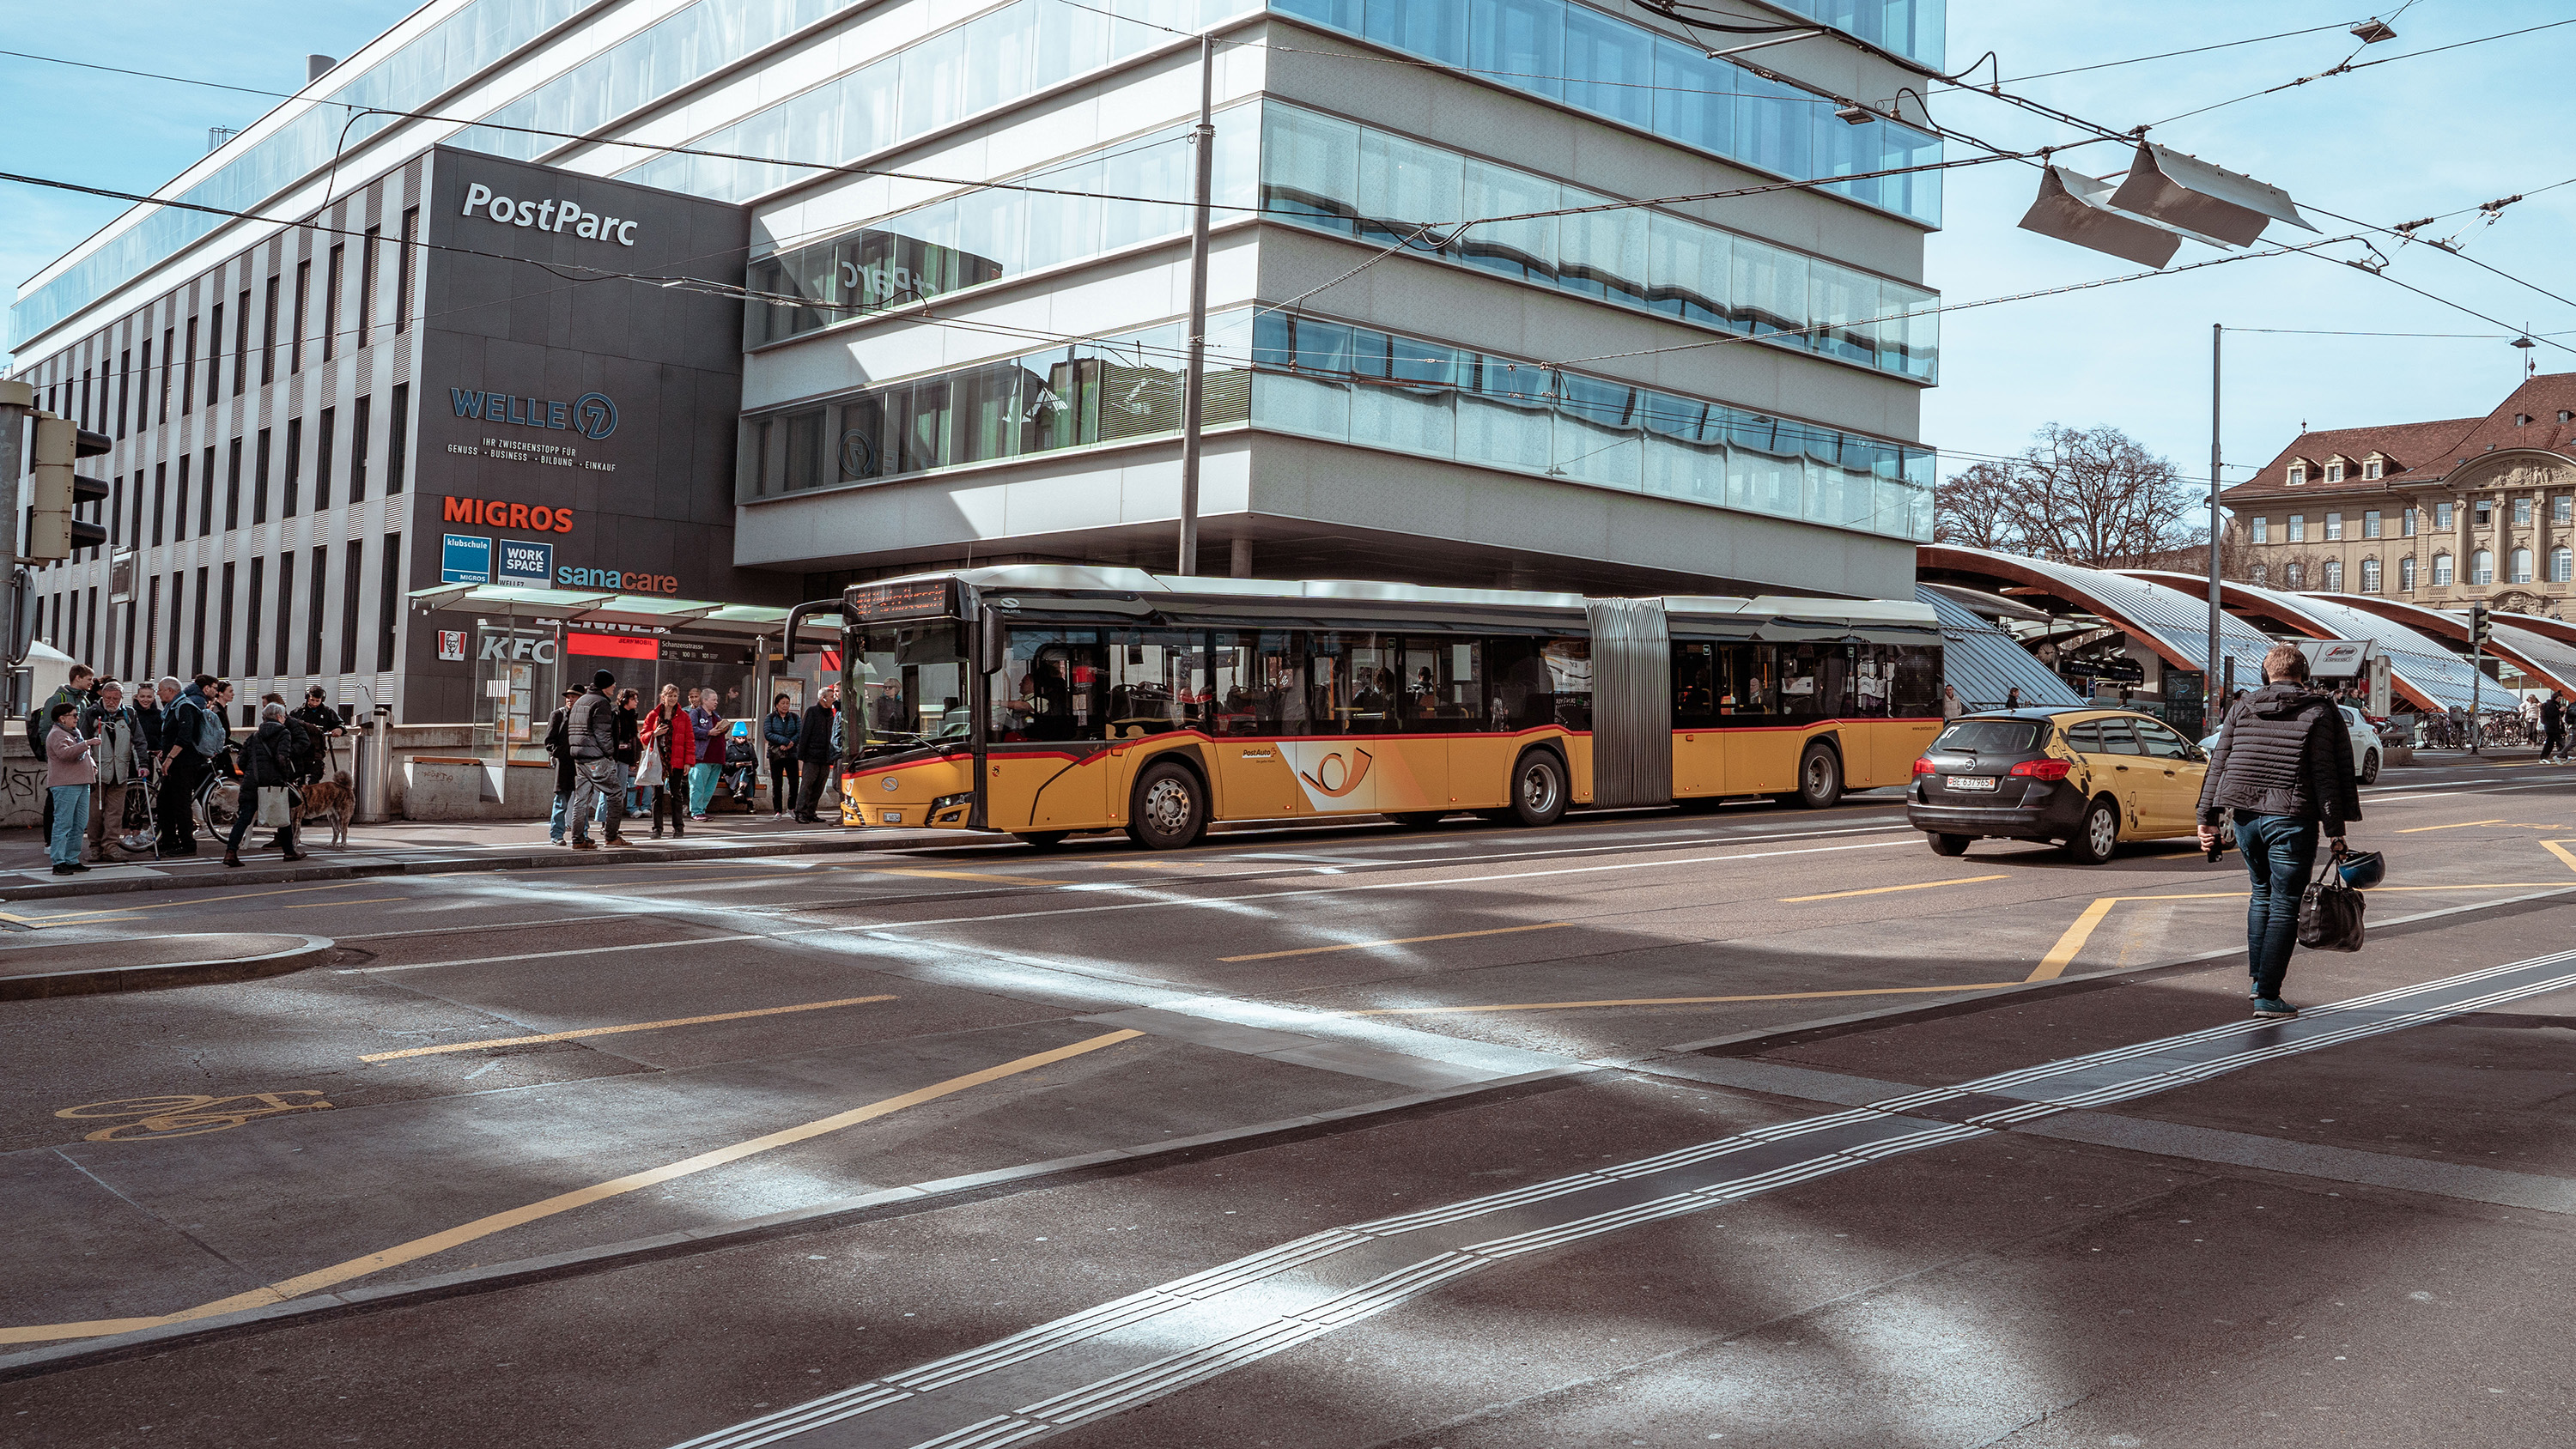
[911, 681]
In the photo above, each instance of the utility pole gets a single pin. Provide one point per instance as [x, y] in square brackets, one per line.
[2209, 681]
[17, 400]
[1194, 384]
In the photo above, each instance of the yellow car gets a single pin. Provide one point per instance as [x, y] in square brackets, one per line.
[2081, 777]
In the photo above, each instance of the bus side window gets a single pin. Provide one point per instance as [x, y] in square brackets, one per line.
[1053, 686]
[1917, 693]
[1524, 691]
[1694, 685]
[1284, 697]
[1443, 683]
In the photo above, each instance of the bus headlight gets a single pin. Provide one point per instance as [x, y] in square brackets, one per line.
[944, 801]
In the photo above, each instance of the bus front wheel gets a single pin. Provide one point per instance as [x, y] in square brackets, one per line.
[1168, 809]
[1538, 789]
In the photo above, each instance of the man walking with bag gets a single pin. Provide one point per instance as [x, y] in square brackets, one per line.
[2283, 763]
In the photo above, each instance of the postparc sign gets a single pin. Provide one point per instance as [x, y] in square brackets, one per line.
[550, 215]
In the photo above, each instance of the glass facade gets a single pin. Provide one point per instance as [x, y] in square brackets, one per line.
[993, 60]
[987, 235]
[1362, 182]
[452, 52]
[1326, 379]
[677, 51]
[1580, 57]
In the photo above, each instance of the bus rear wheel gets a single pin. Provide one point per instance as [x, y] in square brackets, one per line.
[1820, 778]
[1538, 789]
[1168, 809]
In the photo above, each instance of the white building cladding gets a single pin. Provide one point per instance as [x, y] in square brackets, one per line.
[1403, 422]
[1696, 394]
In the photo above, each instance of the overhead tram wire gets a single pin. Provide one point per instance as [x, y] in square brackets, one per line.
[2348, 67]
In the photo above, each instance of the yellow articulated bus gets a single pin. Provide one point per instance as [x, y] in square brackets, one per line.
[1046, 700]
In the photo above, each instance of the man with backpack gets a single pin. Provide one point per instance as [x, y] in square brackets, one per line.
[193, 736]
[2553, 727]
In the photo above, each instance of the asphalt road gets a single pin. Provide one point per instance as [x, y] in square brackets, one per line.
[510, 1066]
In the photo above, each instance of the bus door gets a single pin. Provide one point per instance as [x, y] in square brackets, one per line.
[1703, 672]
[1440, 704]
[1252, 679]
[1050, 702]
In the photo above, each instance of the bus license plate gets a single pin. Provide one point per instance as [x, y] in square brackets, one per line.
[895, 817]
[1972, 782]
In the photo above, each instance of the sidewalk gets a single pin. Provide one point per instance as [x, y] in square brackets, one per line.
[436, 847]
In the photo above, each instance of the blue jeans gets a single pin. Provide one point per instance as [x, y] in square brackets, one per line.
[555, 822]
[702, 784]
[71, 823]
[2281, 856]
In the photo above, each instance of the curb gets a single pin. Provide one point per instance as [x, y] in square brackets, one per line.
[893, 1202]
[543, 858]
[102, 979]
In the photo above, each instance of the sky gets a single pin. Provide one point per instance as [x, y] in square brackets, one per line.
[2383, 144]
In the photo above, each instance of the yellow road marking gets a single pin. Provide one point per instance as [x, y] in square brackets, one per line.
[2055, 962]
[165, 905]
[1685, 1000]
[2463, 825]
[333, 905]
[973, 875]
[484, 1227]
[1921, 885]
[1398, 941]
[2559, 848]
[467, 1046]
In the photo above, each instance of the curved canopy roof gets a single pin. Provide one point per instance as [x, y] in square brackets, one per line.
[2422, 670]
[2172, 619]
[1984, 663]
[2542, 648]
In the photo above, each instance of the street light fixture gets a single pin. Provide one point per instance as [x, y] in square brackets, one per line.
[2373, 31]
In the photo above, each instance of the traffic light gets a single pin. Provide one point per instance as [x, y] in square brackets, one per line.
[2481, 624]
[52, 532]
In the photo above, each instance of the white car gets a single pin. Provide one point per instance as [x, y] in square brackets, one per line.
[2365, 745]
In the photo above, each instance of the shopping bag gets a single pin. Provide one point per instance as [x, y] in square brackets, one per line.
[276, 809]
[648, 771]
[2330, 915]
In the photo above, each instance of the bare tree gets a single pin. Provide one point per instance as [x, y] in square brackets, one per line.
[2095, 498]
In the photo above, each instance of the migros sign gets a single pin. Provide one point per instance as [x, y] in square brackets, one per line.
[493, 513]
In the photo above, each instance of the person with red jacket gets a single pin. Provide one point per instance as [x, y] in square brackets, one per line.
[667, 732]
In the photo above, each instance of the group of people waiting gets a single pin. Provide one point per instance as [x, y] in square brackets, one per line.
[168, 739]
[612, 761]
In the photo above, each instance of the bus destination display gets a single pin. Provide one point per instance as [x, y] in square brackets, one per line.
[912, 599]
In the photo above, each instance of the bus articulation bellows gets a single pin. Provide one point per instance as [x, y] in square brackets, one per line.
[1043, 700]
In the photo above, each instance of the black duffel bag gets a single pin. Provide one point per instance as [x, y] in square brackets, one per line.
[2330, 914]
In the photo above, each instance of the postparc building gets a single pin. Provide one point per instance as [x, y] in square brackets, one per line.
[547, 335]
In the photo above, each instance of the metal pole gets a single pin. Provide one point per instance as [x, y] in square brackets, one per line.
[1194, 385]
[17, 399]
[2214, 529]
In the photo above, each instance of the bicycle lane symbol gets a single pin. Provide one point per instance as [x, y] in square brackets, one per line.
[157, 1118]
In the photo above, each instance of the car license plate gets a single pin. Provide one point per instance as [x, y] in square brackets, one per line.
[1972, 782]
[895, 817]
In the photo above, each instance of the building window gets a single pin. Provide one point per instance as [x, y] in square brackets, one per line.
[2298, 474]
[268, 336]
[322, 462]
[402, 276]
[163, 412]
[241, 343]
[398, 439]
[2370, 576]
[2441, 570]
[2562, 509]
[2482, 514]
[2406, 522]
[232, 495]
[215, 355]
[358, 455]
[2562, 565]
[317, 594]
[352, 575]
[125, 383]
[2482, 566]
[303, 300]
[285, 609]
[2518, 563]
[389, 602]
[372, 243]
[2334, 472]
[2442, 516]
[331, 303]
[2522, 510]
[2298, 528]
[2370, 470]
[2333, 580]
[2406, 574]
[259, 479]
[294, 483]
[2294, 576]
[2262, 530]
[2262, 574]
[2334, 528]
[2370, 523]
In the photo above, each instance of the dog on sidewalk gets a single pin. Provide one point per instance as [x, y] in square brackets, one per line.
[333, 801]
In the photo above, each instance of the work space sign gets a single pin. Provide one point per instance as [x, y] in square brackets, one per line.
[465, 559]
[532, 564]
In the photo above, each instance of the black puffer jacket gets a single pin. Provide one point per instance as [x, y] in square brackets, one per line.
[2283, 751]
